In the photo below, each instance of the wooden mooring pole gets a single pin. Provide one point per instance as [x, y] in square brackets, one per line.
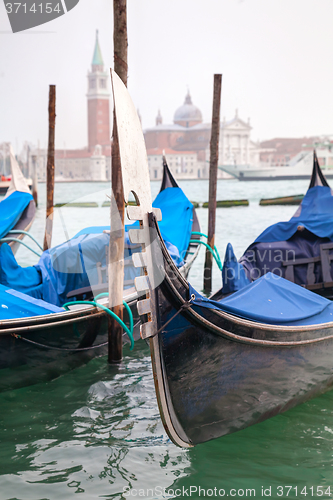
[50, 170]
[34, 186]
[214, 157]
[116, 267]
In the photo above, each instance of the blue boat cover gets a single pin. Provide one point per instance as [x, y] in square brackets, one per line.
[72, 265]
[233, 273]
[14, 304]
[315, 213]
[172, 249]
[11, 209]
[25, 279]
[173, 202]
[299, 238]
[273, 300]
[176, 234]
[66, 267]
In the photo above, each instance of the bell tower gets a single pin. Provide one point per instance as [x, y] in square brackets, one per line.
[98, 102]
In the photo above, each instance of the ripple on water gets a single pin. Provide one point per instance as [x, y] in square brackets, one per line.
[97, 429]
[68, 436]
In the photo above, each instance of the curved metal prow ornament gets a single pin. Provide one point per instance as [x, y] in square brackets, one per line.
[136, 180]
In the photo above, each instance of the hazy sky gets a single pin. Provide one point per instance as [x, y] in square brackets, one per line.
[275, 56]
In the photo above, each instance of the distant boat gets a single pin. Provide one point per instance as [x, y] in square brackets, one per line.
[5, 180]
[17, 208]
[5, 183]
[299, 167]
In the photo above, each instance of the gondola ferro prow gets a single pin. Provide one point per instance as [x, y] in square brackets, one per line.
[136, 180]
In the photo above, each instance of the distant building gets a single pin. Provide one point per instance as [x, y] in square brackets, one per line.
[98, 103]
[279, 151]
[189, 137]
[183, 164]
[236, 145]
[186, 142]
[187, 133]
[93, 162]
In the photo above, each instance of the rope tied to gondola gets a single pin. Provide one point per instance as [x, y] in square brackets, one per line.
[127, 330]
[186, 305]
[213, 251]
[53, 348]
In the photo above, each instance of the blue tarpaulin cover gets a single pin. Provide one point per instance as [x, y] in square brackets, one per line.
[177, 218]
[299, 238]
[25, 279]
[11, 209]
[172, 201]
[14, 304]
[66, 267]
[315, 213]
[233, 273]
[176, 233]
[273, 300]
[72, 265]
[172, 249]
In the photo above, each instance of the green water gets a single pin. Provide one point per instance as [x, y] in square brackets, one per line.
[96, 433]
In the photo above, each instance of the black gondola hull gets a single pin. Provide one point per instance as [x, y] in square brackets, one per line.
[23, 360]
[219, 386]
[39, 349]
[216, 374]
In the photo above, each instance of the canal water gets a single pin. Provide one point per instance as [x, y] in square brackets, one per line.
[95, 433]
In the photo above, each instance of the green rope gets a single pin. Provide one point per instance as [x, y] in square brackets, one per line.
[214, 252]
[20, 231]
[205, 235]
[110, 313]
[127, 307]
[22, 243]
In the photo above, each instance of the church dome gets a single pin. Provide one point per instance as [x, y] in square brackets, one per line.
[187, 114]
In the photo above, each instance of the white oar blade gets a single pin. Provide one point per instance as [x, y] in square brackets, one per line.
[133, 155]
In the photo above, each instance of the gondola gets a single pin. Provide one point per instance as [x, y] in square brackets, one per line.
[17, 208]
[77, 269]
[300, 250]
[40, 339]
[220, 366]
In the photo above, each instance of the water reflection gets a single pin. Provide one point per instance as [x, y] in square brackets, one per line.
[96, 439]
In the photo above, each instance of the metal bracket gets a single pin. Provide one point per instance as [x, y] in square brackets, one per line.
[136, 212]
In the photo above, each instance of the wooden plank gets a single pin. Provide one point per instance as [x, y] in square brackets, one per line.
[326, 262]
[298, 262]
[227, 203]
[282, 200]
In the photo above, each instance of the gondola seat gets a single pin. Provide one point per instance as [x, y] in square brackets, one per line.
[323, 264]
